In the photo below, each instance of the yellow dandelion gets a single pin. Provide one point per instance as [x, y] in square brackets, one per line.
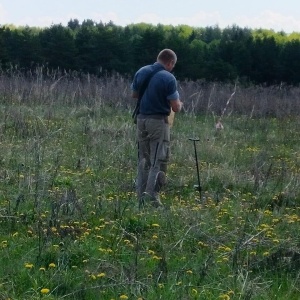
[156, 257]
[123, 297]
[194, 292]
[45, 291]
[100, 275]
[264, 226]
[52, 265]
[155, 225]
[42, 269]
[189, 272]
[28, 266]
[201, 244]
[224, 297]
[267, 212]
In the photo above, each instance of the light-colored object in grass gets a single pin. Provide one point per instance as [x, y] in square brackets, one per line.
[171, 118]
[219, 125]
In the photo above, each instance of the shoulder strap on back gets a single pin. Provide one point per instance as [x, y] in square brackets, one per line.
[142, 91]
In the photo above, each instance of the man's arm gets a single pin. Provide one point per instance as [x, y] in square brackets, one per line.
[135, 94]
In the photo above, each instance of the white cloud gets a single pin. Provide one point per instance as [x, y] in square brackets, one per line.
[47, 21]
[270, 20]
[43, 21]
[3, 15]
[105, 18]
[266, 19]
[200, 19]
[148, 18]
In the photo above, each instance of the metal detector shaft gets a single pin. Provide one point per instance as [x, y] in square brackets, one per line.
[197, 166]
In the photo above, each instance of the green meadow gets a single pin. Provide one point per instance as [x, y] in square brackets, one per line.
[70, 225]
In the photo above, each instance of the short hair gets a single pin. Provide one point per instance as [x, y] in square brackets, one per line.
[166, 56]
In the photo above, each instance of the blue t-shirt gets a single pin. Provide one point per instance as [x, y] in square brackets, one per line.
[161, 89]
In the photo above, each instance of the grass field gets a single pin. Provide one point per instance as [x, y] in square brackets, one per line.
[70, 226]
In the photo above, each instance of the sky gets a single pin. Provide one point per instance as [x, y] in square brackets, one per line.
[267, 14]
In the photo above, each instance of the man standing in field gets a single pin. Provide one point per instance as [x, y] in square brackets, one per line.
[156, 90]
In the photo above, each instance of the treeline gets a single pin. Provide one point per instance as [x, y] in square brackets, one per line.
[211, 53]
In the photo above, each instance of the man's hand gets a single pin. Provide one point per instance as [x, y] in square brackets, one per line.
[176, 105]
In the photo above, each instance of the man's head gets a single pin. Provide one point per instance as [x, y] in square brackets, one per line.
[167, 58]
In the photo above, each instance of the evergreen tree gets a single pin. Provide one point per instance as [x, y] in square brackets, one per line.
[58, 47]
[290, 60]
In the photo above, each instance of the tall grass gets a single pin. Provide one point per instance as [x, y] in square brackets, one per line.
[70, 226]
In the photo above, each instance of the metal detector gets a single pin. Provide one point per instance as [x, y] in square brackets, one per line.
[197, 166]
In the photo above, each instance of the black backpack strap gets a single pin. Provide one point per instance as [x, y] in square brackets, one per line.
[141, 93]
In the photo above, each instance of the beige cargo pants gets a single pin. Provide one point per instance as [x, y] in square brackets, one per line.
[153, 137]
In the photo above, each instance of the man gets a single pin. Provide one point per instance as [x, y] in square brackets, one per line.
[153, 131]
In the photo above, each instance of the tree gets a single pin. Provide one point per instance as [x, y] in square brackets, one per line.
[4, 56]
[265, 61]
[290, 61]
[58, 47]
[74, 24]
[85, 43]
[234, 49]
[211, 33]
[195, 67]
[147, 43]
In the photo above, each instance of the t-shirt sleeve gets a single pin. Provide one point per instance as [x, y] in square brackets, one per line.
[174, 96]
[172, 90]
